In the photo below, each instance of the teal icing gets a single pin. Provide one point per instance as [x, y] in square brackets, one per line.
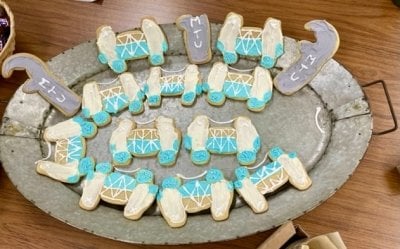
[145, 88]
[200, 156]
[136, 106]
[221, 145]
[171, 182]
[132, 50]
[73, 179]
[267, 96]
[140, 95]
[85, 112]
[246, 157]
[229, 184]
[153, 189]
[237, 184]
[230, 57]
[292, 155]
[241, 173]
[154, 100]
[279, 50]
[156, 59]
[116, 180]
[166, 157]
[176, 144]
[195, 188]
[122, 157]
[236, 90]
[172, 88]
[267, 62]
[86, 165]
[116, 103]
[90, 175]
[75, 149]
[164, 46]
[214, 175]
[88, 129]
[216, 97]
[248, 46]
[187, 142]
[275, 152]
[205, 87]
[102, 58]
[264, 172]
[199, 89]
[188, 98]
[159, 195]
[143, 146]
[104, 167]
[255, 104]
[144, 176]
[101, 118]
[257, 143]
[118, 66]
[78, 120]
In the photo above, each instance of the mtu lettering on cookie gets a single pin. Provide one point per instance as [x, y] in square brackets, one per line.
[234, 40]
[73, 127]
[115, 50]
[313, 57]
[41, 80]
[197, 38]
[118, 143]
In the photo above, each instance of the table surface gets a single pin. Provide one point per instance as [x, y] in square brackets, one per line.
[366, 210]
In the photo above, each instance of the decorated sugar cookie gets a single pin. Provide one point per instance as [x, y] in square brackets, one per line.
[241, 139]
[73, 127]
[186, 85]
[114, 49]
[117, 188]
[313, 57]
[118, 143]
[132, 90]
[41, 80]
[92, 105]
[254, 88]
[196, 33]
[234, 40]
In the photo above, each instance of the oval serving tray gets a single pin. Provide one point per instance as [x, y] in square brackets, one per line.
[327, 122]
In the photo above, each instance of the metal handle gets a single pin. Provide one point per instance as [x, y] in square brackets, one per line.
[389, 104]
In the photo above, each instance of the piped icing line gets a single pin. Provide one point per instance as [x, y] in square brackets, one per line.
[127, 171]
[318, 110]
[192, 177]
[48, 153]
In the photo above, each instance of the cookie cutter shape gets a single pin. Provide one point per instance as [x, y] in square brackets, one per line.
[254, 88]
[115, 50]
[118, 143]
[234, 40]
[313, 57]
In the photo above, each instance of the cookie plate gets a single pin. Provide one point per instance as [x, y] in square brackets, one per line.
[328, 123]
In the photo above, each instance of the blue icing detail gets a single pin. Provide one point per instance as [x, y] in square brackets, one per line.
[214, 175]
[75, 149]
[267, 96]
[118, 66]
[222, 145]
[200, 156]
[216, 97]
[79, 120]
[205, 87]
[85, 166]
[255, 104]
[145, 88]
[241, 173]
[115, 103]
[164, 46]
[257, 143]
[136, 106]
[264, 172]
[236, 90]
[88, 129]
[102, 58]
[153, 189]
[237, 184]
[73, 179]
[188, 98]
[199, 89]
[144, 176]
[187, 142]
[90, 175]
[292, 155]
[154, 100]
[104, 168]
[230, 57]
[140, 95]
[85, 113]
[101, 118]
[267, 62]
[171, 182]
[159, 195]
[275, 152]
[122, 157]
[195, 189]
[246, 157]
[132, 50]
[117, 180]
[248, 46]
[156, 59]
[176, 145]
[166, 157]
[279, 50]
[143, 146]
[172, 88]
[230, 185]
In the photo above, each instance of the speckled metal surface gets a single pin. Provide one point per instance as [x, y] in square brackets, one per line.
[330, 154]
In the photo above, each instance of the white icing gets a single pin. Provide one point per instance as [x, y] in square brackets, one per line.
[153, 81]
[167, 132]
[252, 196]
[198, 131]
[91, 191]
[91, 98]
[138, 202]
[119, 135]
[221, 200]
[246, 134]
[130, 86]
[63, 130]
[230, 31]
[172, 208]
[191, 78]
[262, 83]
[298, 176]
[154, 36]
[106, 42]
[59, 172]
[216, 77]
[271, 36]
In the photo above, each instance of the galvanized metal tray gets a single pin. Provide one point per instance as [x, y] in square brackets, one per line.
[330, 141]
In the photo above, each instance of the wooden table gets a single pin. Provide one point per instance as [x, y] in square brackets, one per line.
[366, 210]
